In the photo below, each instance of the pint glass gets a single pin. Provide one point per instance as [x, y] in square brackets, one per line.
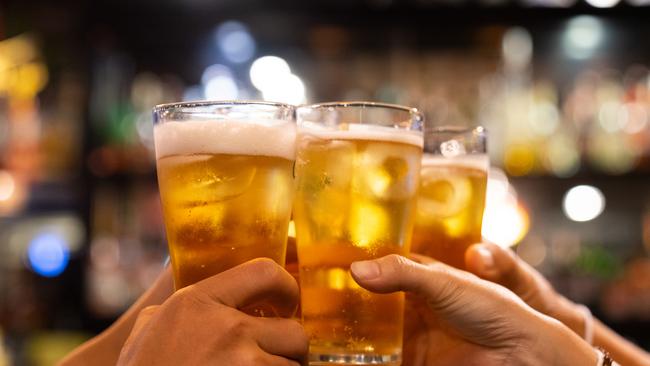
[226, 184]
[357, 170]
[451, 197]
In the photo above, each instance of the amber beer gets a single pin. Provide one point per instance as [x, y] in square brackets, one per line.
[226, 187]
[451, 196]
[355, 200]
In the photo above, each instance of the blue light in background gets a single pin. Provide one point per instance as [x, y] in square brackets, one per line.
[235, 42]
[48, 254]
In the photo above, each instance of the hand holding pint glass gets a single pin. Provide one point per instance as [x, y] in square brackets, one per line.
[225, 178]
[357, 169]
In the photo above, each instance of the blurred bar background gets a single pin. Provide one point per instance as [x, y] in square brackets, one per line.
[562, 86]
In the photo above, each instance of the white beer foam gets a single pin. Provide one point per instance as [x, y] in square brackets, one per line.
[477, 161]
[271, 138]
[357, 131]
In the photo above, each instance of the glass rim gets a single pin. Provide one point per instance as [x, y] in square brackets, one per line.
[410, 110]
[454, 129]
[208, 103]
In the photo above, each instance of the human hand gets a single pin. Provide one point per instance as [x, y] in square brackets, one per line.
[104, 349]
[476, 322]
[201, 324]
[493, 263]
[502, 266]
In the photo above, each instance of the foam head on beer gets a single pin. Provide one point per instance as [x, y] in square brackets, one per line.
[226, 188]
[360, 131]
[268, 138]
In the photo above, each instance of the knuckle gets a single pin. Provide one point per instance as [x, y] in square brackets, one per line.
[183, 299]
[441, 269]
[194, 297]
[394, 259]
[247, 357]
[266, 268]
[238, 326]
[397, 263]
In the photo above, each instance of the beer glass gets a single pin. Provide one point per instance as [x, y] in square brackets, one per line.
[357, 170]
[451, 197]
[225, 173]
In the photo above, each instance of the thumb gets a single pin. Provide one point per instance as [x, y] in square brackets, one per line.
[473, 307]
[500, 265]
[435, 281]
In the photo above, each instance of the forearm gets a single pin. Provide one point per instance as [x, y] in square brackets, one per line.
[623, 351]
[104, 349]
[101, 350]
[562, 347]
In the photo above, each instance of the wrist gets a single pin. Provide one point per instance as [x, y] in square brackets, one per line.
[567, 347]
[569, 314]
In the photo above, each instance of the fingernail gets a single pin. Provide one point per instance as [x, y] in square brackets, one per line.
[365, 270]
[487, 259]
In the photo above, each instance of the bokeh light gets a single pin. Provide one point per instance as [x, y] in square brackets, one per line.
[505, 220]
[544, 118]
[610, 153]
[219, 83]
[146, 91]
[272, 76]
[144, 127]
[267, 71]
[214, 71]
[235, 41]
[7, 185]
[506, 223]
[221, 88]
[519, 159]
[583, 203]
[602, 3]
[583, 35]
[48, 254]
[22, 73]
[612, 116]
[517, 48]
[562, 156]
[636, 118]
[291, 90]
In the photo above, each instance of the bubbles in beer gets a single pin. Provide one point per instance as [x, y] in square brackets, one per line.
[452, 148]
[383, 171]
[355, 200]
[226, 185]
[200, 181]
[442, 194]
[450, 207]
